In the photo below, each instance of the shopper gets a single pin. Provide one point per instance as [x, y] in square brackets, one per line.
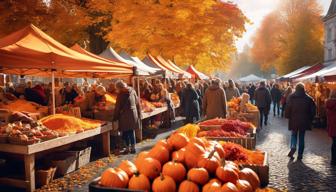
[331, 123]
[276, 97]
[251, 90]
[284, 98]
[214, 101]
[231, 91]
[191, 104]
[263, 101]
[300, 111]
[127, 113]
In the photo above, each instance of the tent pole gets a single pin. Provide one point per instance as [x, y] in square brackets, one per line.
[53, 92]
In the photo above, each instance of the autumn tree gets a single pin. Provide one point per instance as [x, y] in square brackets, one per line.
[198, 32]
[290, 37]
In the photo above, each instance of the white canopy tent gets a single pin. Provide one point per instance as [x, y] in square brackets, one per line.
[251, 78]
[318, 74]
[139, 63]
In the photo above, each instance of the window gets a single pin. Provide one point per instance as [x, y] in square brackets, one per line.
[329, 34]
[329, 54]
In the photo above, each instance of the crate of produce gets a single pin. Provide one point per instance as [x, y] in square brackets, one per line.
[82, 156]
[95, 187]
[45, 176]
[261, 170]
[248, 142]
[64, 162]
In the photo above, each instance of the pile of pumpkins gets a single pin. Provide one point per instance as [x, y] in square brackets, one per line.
[184, 165]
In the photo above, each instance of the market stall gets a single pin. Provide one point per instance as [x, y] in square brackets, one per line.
[196, 74]
[251, 78]
[289, 75]
[172, 66]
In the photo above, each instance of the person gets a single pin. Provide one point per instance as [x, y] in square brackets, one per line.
[69, 94]
[214, 101]
[231, 91]
[250, 91]
[300, 111]
[284, 98]
[263, 101]
[191, 104]
[276, 97]
[146, 91]
[331, 124]
[127, 113]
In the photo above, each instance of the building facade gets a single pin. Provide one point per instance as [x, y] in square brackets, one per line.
[330, 35]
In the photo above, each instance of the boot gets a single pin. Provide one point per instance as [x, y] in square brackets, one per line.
[132, 149]
[291, 153]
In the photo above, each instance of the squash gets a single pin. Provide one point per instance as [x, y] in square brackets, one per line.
[227, 174]
[179, 156]
[149, 167]
[128, 167]
[188, 186]
[164, 184]
[250, 176]
[212, 187]
[198, 141]
[175, 170]
[164, 143]
[192, 154]
[114, 177]
[139, 182]
[141, 155]
[220, 151]
[178, 140]
[159, 153]
[198, 175]
[209, 162]
[215, 180]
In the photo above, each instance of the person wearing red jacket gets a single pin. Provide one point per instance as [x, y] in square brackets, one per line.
[331, 124]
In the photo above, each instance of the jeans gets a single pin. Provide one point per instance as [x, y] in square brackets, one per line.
[333, 150]
[129, 137]
[276, 107]
[263, 115]
[294, 137]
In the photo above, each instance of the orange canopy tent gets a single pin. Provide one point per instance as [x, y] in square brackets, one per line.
[151, 61]
[196, 74]
[170, 65]
[30, 51]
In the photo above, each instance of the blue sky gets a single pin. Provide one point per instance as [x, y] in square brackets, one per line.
[256, 10]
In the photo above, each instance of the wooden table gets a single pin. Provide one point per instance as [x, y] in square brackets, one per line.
[156, 111]
[29, 151]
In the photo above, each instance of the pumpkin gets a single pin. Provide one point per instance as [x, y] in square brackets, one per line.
[175, 170]
[212, 187]
[209, 162]
[165, 144]
[128, 167]
[198, 141]
[227, 174]
[141, 155]
[198, 175]
[192, 154]
[229, 187]
[178, 156]
[188, 186]
[139, 182]
[244, 186]
[149, 167]
[220, 150]
[159, 153]
[164, 184]
[178, 140]
[250, 176]
[114, 177]
[215, 180]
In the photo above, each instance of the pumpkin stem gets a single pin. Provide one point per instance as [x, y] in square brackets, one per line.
[136, 173]
[223, 162]
[161, 177]
[211, 154]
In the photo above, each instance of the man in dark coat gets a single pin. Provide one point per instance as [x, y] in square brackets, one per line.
[127, 113]
[276, 97]
[251, 90]
[300, 111]
[263, 101]
[191, 106]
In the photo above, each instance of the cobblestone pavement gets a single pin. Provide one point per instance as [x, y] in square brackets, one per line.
[311, 174]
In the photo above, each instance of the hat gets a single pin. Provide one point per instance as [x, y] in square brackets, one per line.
[101, 90]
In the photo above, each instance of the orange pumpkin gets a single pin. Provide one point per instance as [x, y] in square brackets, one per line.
[178, 140]
[139, 182]
[198, 141]
[128, 167]
[209, 162]
[141, 155]
[149, 167]
[220, 150]
[244, 186]
[164, 184]
[227, 174]
[229, 187]
[215, 180]
[178, 156]
[159, 153]
[212, 187]
[188, 186]
[250, 176]
[192, 154]
[114, 177]
[198, 175]
[175, 170]
[165, 144]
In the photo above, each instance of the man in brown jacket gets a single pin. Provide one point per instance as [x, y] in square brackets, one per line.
[127, 113]
[214, 101]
